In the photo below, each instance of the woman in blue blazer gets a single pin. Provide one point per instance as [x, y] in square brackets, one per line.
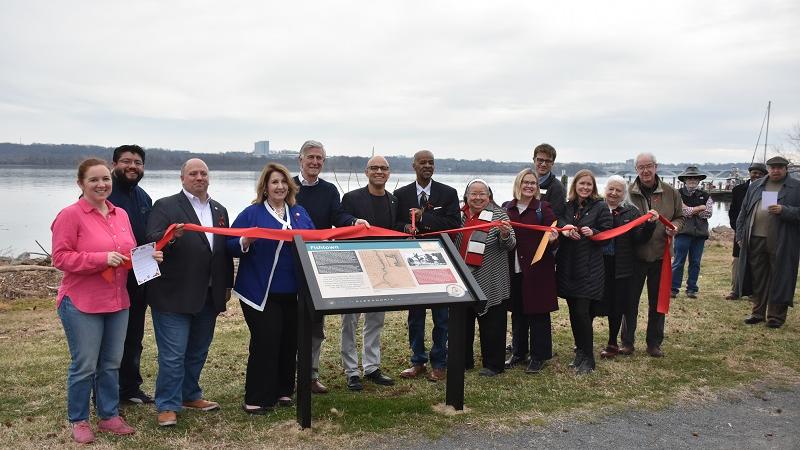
[266, 285]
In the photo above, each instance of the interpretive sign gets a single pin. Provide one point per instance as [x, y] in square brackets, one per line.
[351, 276]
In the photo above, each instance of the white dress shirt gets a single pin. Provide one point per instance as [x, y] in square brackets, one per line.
[203, 211]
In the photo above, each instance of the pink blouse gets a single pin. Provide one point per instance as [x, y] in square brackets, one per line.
[82, 238]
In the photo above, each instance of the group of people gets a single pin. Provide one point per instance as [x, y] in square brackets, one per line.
[104, 320]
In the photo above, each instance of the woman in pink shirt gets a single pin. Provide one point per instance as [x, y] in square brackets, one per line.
[90, 236]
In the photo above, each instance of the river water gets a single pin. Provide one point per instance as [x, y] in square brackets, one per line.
[31, 197]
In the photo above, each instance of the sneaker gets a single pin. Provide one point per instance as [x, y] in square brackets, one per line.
[82, 432]
[201, 404]
[139, 398]
[167, 418]
[378, 377]
[115, 425]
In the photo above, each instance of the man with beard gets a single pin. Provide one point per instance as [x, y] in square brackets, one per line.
[435, 208]
[127, 171]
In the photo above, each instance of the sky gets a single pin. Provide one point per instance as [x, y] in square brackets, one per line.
[600, 81]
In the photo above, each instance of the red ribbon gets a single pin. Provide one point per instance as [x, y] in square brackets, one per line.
[360, 231]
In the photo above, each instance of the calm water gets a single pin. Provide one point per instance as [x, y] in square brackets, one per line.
[31, 197]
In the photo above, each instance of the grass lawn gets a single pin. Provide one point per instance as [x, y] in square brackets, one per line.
[708, 349]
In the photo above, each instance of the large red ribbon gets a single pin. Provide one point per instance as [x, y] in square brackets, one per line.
[361, 231]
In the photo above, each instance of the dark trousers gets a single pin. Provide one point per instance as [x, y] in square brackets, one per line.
[650, 272]
[761, 260]
[493, 337]
[529, 331]
[416, 337]
[273, 350]
[624, 305]
[130, 379]
[580, 320]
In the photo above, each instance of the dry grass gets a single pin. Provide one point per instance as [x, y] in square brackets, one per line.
[708, 350]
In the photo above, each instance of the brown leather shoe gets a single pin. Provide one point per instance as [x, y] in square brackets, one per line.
[317, 387]
[436, 375]
[201, 404]
[626, 350]
[731, 296]
[414, 371]
[609, 352]
[655, 351]
[167, 418]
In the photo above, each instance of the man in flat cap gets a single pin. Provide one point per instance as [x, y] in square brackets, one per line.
[691, 239]
[757, 170]
[768, 233]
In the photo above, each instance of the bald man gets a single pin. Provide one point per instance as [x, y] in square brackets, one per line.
[196, 278]
[377, 206]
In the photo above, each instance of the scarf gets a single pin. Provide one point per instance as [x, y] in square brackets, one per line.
[473, 242]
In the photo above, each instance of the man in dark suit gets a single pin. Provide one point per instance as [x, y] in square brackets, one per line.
[195, 283]
[378, 207]
[435, 208]
[757, 170]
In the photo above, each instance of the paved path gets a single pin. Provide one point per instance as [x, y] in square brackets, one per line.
[764, 418]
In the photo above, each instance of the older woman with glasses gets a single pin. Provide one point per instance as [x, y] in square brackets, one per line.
[619, 259]
[486, 254]
[580, 262]
[533, 284]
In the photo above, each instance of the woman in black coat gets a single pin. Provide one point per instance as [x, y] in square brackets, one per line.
[579, 268]
[619, 258]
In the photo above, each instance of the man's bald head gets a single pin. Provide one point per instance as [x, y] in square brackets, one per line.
[377, 172]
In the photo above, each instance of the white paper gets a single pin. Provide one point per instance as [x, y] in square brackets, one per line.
[145, 267]
[768, 199]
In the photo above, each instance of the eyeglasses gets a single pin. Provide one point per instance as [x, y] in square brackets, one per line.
[477, 194]
[129, 162]
[377, 168]
[530, 183]
[542, 162]
[650, 166]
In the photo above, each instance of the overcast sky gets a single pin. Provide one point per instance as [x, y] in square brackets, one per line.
[601, 81]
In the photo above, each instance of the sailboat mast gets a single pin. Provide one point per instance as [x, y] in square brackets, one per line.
[766, 135]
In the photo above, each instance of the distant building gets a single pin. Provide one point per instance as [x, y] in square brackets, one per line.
[261, 148]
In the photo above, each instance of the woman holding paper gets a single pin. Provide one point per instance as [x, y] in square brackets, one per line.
[486, 253]
[89, 237]
[580, 262]
[267, 289]
[533, 286]
[619, 259]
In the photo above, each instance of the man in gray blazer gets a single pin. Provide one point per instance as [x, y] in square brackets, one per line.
[195, 283]
[377, 206]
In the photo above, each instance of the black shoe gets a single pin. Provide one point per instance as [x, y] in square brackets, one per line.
[140, 398]
[379, 378]
[354, 383]
[487, 372]
[772, 323]
[579, 357]
[752, 320]
[509, 349]
[673, 294]
[513, 361]
[691, 294]
[535, 366]
[586, 366]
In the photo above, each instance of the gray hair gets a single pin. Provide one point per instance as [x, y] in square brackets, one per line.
[309, 145]
[642, 155]
[626, 198]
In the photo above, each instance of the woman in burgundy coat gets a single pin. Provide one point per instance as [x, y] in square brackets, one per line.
[533, 287]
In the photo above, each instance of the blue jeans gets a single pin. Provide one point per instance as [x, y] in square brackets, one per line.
[183, 341]
[416, 337]
[693, 247]
[95, 345]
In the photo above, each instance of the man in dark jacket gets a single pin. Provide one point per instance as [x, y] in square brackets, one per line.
[195, 283]
[127, 171]
[552, 191]
[768, 233]
[691, 239]
[757, 170]
[435, 208]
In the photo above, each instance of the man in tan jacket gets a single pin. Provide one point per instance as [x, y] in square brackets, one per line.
[649, 192]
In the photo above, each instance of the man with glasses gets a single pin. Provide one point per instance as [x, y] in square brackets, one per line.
[378, 206]
[127, 171]
[321, 199]
[550, 188]
[649, 192]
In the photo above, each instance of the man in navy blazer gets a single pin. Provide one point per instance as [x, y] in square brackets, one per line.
[195, 282]
[378, 207]
[435, 208]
